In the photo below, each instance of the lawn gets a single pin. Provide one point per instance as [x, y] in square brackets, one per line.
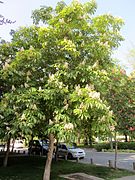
[32, 168]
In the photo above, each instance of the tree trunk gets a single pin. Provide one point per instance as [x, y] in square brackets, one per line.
[13, 142]
[78, 139]
[49, 158]
[126, 140]
[56, 151]
[90, 141]
[111, 142]
[7, 153]
[90, 135]
[116, 152]
[30, 145]
[86, 141]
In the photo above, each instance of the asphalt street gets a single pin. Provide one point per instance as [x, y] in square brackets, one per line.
[124, 160]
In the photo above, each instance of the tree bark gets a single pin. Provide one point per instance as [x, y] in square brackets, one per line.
[116, 152]
[56, 151]
[30, 145]
[78, 139]
[111, 142]
[49, 158]
[126, 139]
[13, 142]
[7, 153]
[86, 140]
[90, 136]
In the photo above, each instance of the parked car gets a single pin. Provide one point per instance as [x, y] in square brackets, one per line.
[38, 147]
[18, 143]
[71, 151]
[2, 147]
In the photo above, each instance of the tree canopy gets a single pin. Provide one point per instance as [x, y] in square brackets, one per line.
[54, 73]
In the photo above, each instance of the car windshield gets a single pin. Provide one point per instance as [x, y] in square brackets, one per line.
[44, 143]
[71, 147]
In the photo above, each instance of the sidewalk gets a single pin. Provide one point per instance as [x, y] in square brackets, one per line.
[76, 176]
[126, 178]
[89, 177]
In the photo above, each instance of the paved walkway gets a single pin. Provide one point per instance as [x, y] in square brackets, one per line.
[127, 178]
[80, 176]
[83, 176]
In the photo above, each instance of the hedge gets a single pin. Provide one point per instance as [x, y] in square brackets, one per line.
[121, 145]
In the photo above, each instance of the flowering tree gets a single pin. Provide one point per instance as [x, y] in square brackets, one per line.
[121, 98]
[56, 72]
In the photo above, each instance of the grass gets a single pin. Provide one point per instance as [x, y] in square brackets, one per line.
[32, 168]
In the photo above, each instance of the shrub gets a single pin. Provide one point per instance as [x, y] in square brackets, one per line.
[121, 145]
[126, 145]
[101, 146]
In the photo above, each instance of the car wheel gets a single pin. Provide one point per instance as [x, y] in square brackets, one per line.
[45, 152]
[81, 157]
[70, 156]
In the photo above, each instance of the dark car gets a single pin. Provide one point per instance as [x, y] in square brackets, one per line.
[38, 147]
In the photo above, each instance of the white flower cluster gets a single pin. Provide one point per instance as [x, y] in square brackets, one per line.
[68, 126]
[78, 90]
[95, 95]
[23, 117]
[5, 66]
[51, 77]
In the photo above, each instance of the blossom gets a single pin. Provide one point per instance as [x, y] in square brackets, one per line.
[13, 88]
[68, 126]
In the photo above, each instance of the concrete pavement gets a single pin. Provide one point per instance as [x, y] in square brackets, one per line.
[124, 160]
[126, 178]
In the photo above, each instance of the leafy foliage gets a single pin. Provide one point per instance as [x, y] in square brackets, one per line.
[56, 72]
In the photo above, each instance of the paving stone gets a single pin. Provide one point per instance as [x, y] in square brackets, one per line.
[80, 176]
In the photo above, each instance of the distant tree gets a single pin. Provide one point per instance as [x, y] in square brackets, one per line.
[131, 57]
[121, 98]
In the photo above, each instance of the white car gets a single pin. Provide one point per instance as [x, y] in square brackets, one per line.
[70, 151]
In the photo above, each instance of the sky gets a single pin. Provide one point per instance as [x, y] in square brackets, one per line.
[20, 11]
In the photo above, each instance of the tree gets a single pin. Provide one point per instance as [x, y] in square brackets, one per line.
[131, 57]
[120, 96]
[58, 68]
[6, 115]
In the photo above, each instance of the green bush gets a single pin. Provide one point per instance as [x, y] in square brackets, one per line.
[121, 145]
[101, 146]
[126, 145]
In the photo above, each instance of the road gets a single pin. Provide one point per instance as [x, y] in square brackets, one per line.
[124, 160]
